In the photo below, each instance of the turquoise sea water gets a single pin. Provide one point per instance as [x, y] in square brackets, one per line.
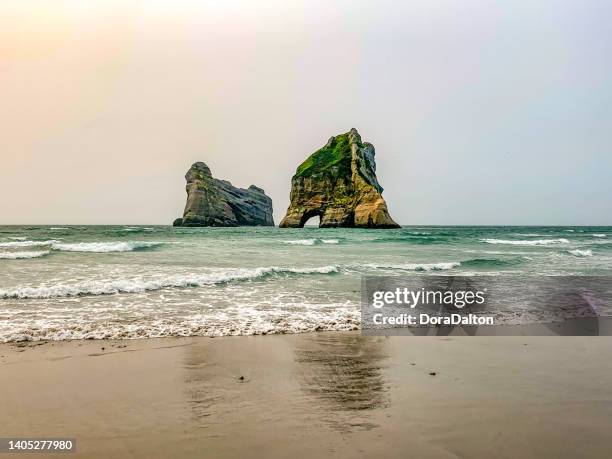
[134, 281]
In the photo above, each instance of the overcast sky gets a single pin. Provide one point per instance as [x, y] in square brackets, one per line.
[481, 111]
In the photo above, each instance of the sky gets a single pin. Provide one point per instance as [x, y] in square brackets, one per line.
[481, 111]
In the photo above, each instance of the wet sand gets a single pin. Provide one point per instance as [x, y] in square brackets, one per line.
[314, 395]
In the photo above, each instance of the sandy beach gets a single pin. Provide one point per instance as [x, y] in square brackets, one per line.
[334, 394]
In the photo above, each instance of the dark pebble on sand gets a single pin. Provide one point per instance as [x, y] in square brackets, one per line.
[433, 373]
[241, 378]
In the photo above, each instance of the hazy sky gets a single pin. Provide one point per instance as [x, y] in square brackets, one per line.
[481, 111]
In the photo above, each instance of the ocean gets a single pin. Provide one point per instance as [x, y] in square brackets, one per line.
[111, 282]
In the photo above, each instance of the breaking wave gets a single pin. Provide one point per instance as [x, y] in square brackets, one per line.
[419, 267]
[600, 235]
[104, 247]
[21, 243]
[139, 285]
[312, 241]
[581, 253]
[526, 243]
[301, 242]
[445, 266]
[98, 247]
[22, 255]
[136, 229]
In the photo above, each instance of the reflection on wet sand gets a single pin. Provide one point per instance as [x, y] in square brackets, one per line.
[229, 384]
[345, 373]
[330, 378]
[201, 396]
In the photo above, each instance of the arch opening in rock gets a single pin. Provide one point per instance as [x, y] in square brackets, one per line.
[311, 217]
[313, 221]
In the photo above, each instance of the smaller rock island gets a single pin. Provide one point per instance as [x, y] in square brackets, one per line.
[215, 202]
[338, 183]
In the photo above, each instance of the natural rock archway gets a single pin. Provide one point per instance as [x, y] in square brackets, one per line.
[338, 183]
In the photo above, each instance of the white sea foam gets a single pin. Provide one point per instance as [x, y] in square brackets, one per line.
[23, 255]
[103, 247]
[526, 243]
[600, 235]
[136, 229]
[249, 319]
[27, 243]
[140, 285]
[312, 241]
[443, 266]
[58, 228]
[502, 252]
[17, 238]
[301, 242]
[581, 253]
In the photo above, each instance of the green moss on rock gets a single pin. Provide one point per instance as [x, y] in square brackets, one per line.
[334, 158]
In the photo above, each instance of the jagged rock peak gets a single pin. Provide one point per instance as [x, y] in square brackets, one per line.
[215, 202]
[338, 183]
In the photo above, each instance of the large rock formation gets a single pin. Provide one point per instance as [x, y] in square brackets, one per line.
[214, 202]
[338, 183]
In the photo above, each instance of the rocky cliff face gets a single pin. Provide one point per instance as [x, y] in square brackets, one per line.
[338, 183]
[214, 202]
